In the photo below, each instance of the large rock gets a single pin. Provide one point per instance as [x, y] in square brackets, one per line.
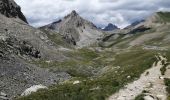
[3, 96]
[32, 89]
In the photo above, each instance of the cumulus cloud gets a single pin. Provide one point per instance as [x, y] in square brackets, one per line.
[100, 12]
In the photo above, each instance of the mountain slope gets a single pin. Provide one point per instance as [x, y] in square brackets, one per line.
[30, 56]
[76, 30]
[123, 61]
[10, 9]
[152, 29]
[20, 46]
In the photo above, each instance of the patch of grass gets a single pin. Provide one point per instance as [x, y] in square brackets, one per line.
[56, 38]
[167, 83]
[131, 63]
[122, 42]
[140, 97]
[165, 16]
[82, 63]
[163, 69]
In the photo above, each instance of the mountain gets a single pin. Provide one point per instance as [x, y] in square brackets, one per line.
[157, 22]
[134, 24]
[131, 61]
[123, 59]
[20, 46]
[76, 30]
[110, 27]
[10, 9]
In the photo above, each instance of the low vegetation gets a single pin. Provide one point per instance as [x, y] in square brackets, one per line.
[128, 63]
[167, 83]
[164, 16]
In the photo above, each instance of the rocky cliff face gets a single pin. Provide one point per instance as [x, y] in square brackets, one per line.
[10, 9]
[76, 30]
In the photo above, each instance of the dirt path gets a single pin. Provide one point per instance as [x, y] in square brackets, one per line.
[151, 81]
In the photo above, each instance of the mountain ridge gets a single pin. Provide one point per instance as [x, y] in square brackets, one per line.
[76, 30]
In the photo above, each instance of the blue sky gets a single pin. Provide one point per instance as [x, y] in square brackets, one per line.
[100, 12]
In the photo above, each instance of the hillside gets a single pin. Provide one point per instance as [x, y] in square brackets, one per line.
[102, 71]
[74, 60]
[76, 30]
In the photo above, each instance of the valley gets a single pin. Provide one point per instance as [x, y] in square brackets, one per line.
[72, 59]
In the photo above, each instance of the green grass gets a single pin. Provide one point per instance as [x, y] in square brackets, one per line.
[131, 63]
[122, 42]
[163, 69]
[140, 97]
[167, 83]
[56, 38]
[165, 16]
[81, 63]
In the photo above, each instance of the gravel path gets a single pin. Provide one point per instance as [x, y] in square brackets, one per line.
[152, 82]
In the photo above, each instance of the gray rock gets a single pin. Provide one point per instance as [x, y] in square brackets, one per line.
[21, 44]
[76, 30]
[10, 9]
[3, 96]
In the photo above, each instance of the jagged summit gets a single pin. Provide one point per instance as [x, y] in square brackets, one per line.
[110, 27]
[74, 13]
[10, 9]
[76, 30]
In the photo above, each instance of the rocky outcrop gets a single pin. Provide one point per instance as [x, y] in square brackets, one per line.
[19, 47]
[3, 96]
[10, 9]
[76, 30]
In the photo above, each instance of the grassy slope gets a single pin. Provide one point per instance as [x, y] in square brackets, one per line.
[131, 63]
[56, 38]
[165, 16]
[167, 83]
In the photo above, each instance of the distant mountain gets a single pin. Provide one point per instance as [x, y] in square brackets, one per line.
[134, 23]
[10, 9]
[110, 27]
[75, 30]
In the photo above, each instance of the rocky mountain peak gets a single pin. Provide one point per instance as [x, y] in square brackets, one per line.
[10, 9]
[74, 13]
[76, 30]
[110, 27]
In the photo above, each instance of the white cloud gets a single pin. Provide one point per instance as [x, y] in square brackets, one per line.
[100, 12]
